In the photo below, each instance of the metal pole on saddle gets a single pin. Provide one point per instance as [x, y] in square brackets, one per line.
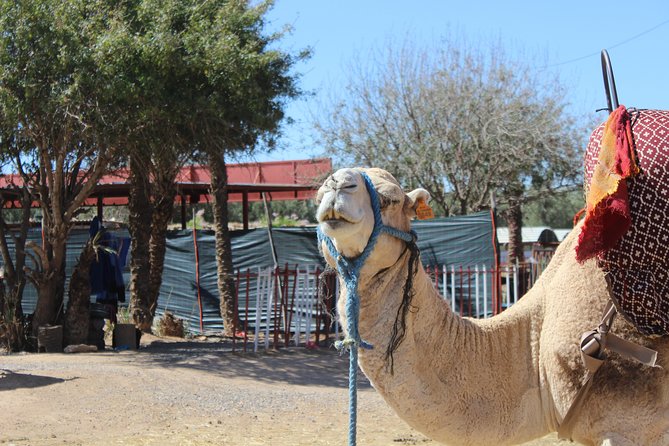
[609, 82]
[595, 342]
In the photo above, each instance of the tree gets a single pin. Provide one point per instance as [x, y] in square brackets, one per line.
[210, 82]
[239, 83]
[556, 211]
[58, 97]
[14, 277]
[460, 122]
[148, 51]
[153, 172]
[82, 79]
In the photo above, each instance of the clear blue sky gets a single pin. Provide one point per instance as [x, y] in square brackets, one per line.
[565, 31]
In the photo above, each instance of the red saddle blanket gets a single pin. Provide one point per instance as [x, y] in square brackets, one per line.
[637, 260]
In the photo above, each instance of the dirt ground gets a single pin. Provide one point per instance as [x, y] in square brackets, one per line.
[173, 392]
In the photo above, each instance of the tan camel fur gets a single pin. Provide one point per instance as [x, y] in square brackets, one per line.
[498, 381]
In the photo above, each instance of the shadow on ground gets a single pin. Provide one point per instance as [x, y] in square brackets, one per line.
[10, 380]
[298, 365]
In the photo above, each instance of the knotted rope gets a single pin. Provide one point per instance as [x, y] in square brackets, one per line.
[349, 269]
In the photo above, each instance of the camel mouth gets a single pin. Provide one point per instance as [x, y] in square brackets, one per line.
[334, 219]
[334, 224]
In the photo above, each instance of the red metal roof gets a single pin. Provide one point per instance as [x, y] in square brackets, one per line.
[281, 180]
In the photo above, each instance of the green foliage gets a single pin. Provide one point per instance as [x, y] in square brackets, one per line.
[285, 213]
[162, 79]
[53, 88]
[556, 211]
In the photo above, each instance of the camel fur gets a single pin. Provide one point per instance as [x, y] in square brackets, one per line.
[499, 381]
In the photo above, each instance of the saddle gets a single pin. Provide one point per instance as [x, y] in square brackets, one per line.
[626, 228]
[635, 257]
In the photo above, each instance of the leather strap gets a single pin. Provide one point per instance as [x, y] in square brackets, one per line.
[593, 344]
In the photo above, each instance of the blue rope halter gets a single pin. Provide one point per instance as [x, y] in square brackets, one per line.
[349, 270]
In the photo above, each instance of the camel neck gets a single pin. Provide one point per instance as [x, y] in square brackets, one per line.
[476, 363]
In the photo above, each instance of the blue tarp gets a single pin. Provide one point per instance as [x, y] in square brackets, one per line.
[464, 240]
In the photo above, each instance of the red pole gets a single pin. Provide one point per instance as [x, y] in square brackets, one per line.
[284, 303]
[469, 290]
[246, 318]
[462, 295]
[234, 321]
[496, 276]
[197, 274]
[493, 276]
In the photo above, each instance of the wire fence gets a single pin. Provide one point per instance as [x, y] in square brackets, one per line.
[481, 291]
[280, 307]
[296, 305]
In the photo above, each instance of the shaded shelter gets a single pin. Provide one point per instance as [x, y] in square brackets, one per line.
[279, 180]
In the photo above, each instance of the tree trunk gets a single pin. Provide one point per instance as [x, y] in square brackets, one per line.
[50, 283]
[11, 322]
[11, 316]
[514, 220]
[11, 288]
[162, 215]
[139, 226]
[77, 317]
[225, 270]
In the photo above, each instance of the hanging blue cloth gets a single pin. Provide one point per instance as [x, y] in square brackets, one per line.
[106, 272]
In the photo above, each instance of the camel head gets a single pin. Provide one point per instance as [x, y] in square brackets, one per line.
[345, 213]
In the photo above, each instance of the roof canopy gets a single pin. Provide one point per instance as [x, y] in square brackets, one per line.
[281, 180]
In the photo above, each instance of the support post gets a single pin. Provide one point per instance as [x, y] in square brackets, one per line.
[245, 209]
[183, 210]
[100, 208]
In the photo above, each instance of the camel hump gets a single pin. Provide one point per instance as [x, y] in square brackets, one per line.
[638, 262]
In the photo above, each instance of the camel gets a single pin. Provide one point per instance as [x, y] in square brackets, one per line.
[499, 381]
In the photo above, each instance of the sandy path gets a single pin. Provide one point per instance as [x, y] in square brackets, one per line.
[179, 393]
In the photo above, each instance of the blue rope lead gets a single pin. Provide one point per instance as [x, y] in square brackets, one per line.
[349, 270]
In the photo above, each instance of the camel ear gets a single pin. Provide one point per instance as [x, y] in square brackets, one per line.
[412, 200]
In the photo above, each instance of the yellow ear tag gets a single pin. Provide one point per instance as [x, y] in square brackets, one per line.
[424, 211]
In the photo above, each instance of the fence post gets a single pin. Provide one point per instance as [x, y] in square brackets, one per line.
[444, 282]
[197, 273]
[246, 308]
[476, 278]
[453, 288]
[270, 300]
[278, 292]
[516, 278]
[469, 290]
[319, 306]
[485, 291]
[234, 325]
[256, 330]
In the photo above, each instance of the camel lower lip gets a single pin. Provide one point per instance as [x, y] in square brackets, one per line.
[335, 223]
